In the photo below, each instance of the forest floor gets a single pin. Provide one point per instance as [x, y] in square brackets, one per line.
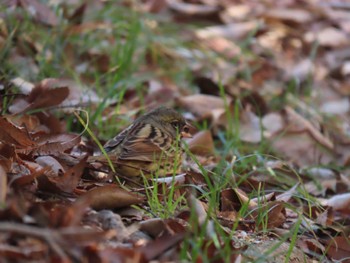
[266, 84]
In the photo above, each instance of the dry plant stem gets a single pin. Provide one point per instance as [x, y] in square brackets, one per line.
[50, 236]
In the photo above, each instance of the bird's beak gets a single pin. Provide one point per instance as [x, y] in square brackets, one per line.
[187, 130]
[186, 135]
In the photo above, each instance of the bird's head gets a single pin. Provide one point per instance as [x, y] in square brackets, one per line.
[172, 121]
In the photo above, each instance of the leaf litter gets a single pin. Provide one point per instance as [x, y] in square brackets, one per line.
[265, 75]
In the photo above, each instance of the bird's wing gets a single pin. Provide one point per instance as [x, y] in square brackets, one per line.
[116, 141]
[146, 143]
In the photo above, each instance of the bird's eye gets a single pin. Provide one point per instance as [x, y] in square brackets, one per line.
[186, 129]
[175, 124]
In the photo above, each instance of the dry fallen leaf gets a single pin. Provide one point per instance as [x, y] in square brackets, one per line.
[14, 135]
[40, 12]
[329, 37]
[340, 202]
[300, 16]
[192, 9]
[70, 179]
[110, 197]
[53, 144]
[274, 213]
[250, 128]
[231, 31]
[338, 248]
[202, 105]
[202, 143]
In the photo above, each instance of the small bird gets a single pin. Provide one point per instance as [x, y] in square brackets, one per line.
[151, 144]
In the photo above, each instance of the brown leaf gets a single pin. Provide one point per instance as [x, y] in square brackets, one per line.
[78, 93]
[175, 226]
[12, 134]
[301, 149]
[193, 9]
[87, 27]
[300, 16]
[207, 86]
[153, 226]
[70, 179]
[328, 37]
[310, 245]
[83, 236]
[250, 129]
[233, 198]
[40, 12]
[52, 123]
[339, 248]
[202, 143]
[78, 14]
[326, 218]
[160, 245]
[27, 179]
[224, 47]
[202, 105]
[31, 122]
[301, 142]
[231, 31]
[110, 197]
[23, 252]
[53, 144]
[273, 214]
[155, 6]
[73, 213]
[304, 124]
[42, 96]
[118, 254]
[7, 155]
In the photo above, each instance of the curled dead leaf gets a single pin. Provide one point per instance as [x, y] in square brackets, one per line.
[11, 134]
[110, 197]
[153, 226]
